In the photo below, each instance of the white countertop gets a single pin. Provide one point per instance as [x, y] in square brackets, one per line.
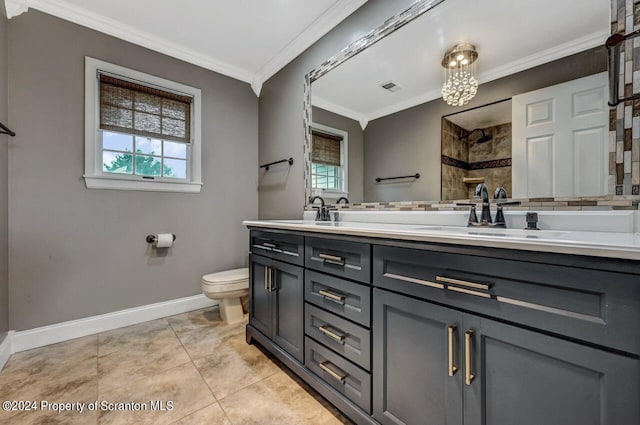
[598, 244]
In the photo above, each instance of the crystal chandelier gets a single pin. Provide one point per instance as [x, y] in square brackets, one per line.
[460, 83]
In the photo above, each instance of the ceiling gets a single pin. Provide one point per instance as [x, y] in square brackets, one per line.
[510, 36]
[249, 40]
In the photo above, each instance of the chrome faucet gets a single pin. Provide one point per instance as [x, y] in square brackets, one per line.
[322, 212]
[336, 212]
[482, 192]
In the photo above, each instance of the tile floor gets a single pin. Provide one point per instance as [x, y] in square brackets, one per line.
[193, 360]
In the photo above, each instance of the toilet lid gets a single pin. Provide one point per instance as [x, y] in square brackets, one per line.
[227, 276]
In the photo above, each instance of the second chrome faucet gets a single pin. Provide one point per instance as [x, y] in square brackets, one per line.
[481, 192]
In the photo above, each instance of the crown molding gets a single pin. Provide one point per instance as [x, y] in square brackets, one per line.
[563, 50]
[15, 7]
[67, 11]
[325, 23]
[566, 49]
[340, 110]
[86, 18]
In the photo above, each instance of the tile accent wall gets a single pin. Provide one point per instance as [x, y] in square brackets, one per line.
[624, 122]
[595, 203]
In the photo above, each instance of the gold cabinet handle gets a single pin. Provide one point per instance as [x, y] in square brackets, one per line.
[333, 374]
[331, 334]
[272, 286]
[453, 281]
[266, 278]
[332, 259]
[468, 375]
[331, 296]
[452, 367]
[269, 245]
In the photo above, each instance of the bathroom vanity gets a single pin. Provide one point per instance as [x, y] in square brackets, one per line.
[409, 324]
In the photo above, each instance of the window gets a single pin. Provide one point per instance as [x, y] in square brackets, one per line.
[328, 160]
[141, 132]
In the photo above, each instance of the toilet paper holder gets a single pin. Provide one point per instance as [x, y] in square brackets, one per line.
[152, 238]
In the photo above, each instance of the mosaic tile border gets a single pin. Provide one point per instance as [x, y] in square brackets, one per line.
[389, 26]
[595, 203]
[482, 165]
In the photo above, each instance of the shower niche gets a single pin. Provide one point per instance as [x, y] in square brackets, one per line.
[476, 148]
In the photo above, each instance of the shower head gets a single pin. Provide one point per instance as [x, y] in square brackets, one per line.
[483, 139]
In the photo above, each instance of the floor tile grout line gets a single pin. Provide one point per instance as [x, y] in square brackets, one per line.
[251, 384]
[201, 376]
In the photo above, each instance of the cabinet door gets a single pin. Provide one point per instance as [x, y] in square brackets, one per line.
[260, 311]
[411, 362]
[527, 378]
[288, 308]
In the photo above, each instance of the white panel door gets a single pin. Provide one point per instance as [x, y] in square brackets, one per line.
[560, 141]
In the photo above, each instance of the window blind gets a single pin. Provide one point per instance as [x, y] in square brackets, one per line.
[325, 148]
[141, 110]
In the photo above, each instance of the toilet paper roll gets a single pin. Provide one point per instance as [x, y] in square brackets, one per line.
[164, 240]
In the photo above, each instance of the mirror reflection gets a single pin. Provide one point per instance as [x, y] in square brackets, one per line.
[383, 113]
[476, 148]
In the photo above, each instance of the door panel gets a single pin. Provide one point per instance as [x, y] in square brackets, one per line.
[560, 141]
[410, 358]
[527, 378]
[288, 308]
[260, 313]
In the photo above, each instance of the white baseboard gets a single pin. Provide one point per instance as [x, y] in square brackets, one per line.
[39, 337]
[6, 349]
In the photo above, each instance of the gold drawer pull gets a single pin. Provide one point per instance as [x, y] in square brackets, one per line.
[468, 375]
[334, 259]
[444, 279]
[332, 297]
[333, 374]
[414, 280]
[331, 334]
[468, 291]
[452, 367]
[269, 245]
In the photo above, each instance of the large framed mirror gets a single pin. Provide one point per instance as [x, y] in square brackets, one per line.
[379, 103]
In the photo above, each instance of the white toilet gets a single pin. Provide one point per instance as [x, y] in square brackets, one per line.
[227, 287]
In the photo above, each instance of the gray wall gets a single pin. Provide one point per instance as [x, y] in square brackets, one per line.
[75, 252]
[416, 131]
[355, 151]
[4, 274]
[282, 191]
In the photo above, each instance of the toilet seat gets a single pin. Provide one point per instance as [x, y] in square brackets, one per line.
[226, 281]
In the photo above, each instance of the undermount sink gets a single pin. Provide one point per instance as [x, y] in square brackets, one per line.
[488, 231]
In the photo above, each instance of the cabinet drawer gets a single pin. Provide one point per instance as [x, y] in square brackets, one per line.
[345, 298]
[342, 336]
[288, 248]
[600, 307]
[346, 259]
[353, 382]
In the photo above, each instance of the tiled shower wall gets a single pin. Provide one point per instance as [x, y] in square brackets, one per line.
[624, 122]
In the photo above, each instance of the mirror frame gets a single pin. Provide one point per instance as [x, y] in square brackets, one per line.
[388, 27]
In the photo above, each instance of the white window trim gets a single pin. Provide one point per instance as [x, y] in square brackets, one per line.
[344, 166]
[93, 175]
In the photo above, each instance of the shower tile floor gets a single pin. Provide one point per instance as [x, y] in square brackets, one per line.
[204, 368]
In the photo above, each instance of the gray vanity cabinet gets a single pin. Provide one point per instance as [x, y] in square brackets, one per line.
[528, 378]
[276, 305]
[432, 363]
[411, 345]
